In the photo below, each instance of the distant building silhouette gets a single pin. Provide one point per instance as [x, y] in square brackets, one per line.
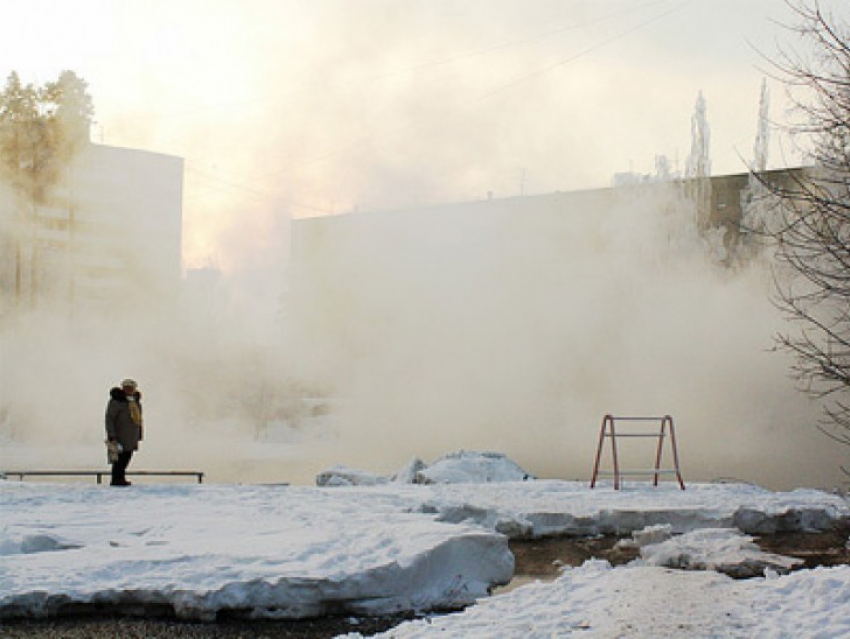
[350, 273]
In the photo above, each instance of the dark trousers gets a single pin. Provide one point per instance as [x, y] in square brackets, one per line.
[120, 467]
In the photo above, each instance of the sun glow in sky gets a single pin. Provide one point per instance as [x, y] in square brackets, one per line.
[285, 109]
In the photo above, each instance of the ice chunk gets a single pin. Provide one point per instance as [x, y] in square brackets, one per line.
[725, 550]
[471, 467]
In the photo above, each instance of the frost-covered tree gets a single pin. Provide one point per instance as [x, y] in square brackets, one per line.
[67, 106]
[41, 128]
[756, 200]
[663, 172]
[762, 143]
[699, 161]
[698, 166]
[21, 131]
[812, 234]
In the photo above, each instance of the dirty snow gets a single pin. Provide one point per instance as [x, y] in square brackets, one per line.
[725, 550]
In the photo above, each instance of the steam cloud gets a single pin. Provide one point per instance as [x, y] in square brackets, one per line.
[426, 332]
[416, 334]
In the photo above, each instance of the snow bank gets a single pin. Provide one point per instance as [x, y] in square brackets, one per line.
[345, 476]
[548, 507]
[463, 467]
[466, 467]
[599, 601]
[263, 551]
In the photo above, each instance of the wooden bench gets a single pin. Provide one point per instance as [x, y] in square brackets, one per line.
[20, 474]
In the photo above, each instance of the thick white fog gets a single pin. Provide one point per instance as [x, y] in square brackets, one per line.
[510, 325]
[516, 327]
[432, 332]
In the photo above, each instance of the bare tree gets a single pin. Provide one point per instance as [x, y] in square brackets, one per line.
[812, 231]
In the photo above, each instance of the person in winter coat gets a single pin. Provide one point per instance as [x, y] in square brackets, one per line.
[123, 427]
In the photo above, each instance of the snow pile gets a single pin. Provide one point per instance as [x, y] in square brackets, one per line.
[345, 476]
[262, 551]
[600, 601]
[463, 467]
[722, 549]
[466, 467]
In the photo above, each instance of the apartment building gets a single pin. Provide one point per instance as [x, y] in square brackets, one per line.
[111, 221]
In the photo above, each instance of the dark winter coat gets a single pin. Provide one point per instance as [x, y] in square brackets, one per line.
[119, 422]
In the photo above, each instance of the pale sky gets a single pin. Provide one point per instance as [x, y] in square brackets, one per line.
[295, 108]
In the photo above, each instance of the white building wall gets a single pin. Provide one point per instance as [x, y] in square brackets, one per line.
[113, 220]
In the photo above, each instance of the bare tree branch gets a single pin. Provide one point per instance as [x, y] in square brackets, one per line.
[810, 226]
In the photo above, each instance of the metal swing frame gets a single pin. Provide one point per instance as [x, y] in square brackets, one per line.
[608, 430]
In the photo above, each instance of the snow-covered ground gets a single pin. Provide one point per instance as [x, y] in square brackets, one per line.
[596, 600]
[273, 551]
[550, 507]
[281, 551]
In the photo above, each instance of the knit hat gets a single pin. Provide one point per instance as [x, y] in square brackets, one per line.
[129, 383]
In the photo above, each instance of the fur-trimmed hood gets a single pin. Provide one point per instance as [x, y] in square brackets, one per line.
[118, 395]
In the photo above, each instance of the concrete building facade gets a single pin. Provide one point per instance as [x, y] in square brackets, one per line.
[111, 222]
[351, 273]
